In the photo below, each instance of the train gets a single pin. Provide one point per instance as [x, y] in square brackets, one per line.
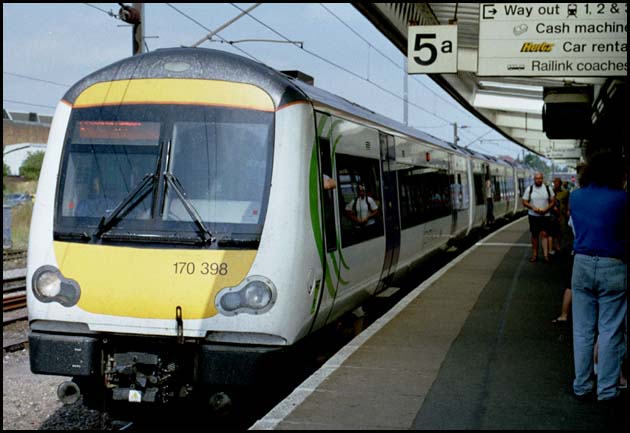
[198, 213]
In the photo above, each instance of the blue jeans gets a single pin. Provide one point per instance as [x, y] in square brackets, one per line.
[599, 308]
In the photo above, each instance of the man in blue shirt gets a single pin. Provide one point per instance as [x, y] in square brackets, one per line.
[599, 210]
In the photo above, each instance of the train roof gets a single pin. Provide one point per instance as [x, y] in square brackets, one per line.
[204, 63]
[194, 63]
[326, 98]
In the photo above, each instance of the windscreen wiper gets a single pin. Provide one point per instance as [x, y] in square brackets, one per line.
[128, 202]
[204, 233]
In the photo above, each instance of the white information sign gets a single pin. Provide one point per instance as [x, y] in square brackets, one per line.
[432, 49]
[553, 39]
[564, 154]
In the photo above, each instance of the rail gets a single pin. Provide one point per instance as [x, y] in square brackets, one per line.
[13, 255]
[13, 295]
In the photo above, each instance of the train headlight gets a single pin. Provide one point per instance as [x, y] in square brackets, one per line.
[254, 295]
[50, 286]
[257, 295]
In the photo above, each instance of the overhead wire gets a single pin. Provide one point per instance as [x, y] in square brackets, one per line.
[35, 79]
[26, 103]
[216, 34]
[254, 58]
[110, 13]
[318, 56]
[354, 74]
[32, 79]
[393, 62]
[399, 67]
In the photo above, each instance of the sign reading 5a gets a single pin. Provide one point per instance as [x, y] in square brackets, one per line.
[432, 49]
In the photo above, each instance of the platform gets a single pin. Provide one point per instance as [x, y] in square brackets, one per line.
[473, 347]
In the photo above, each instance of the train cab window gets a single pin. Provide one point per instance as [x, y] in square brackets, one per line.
[133, 166]
[360, 201]
[105, 161]
[221, 167]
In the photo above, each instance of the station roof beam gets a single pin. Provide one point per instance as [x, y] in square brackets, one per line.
[512, 105]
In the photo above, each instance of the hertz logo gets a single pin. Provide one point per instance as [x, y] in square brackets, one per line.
[543, 47]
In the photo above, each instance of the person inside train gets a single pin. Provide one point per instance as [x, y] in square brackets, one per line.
[94, 203]
[363, 209]
[329, 182]
[539, 200]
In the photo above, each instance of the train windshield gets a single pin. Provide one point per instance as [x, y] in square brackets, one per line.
[159, 173]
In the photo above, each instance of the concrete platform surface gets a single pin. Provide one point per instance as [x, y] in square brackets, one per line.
[473, 347]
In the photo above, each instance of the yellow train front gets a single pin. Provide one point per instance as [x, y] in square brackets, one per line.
[150, 276]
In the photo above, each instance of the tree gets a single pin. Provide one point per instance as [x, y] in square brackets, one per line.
[537, 164]
[32, 166]
[5, 173]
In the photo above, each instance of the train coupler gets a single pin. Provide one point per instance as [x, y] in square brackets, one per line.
[140, 377]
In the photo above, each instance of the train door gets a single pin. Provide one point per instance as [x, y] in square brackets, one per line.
[390, 208]
[471, 194]
[452, 181]
[489, 191]
[326, 234]
[358, 260]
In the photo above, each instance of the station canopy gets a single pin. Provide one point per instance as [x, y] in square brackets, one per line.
[512, 105]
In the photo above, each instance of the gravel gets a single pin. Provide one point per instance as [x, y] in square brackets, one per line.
[30, 400]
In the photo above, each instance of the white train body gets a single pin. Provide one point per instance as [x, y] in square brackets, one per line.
[231, 247]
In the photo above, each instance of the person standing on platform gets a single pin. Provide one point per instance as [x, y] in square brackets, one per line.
[566, 296]
[600, 214]
[539, 200]
[559, 217]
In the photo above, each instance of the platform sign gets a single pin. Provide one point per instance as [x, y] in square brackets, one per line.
[553, 39]
[564, 154]
[432, 49]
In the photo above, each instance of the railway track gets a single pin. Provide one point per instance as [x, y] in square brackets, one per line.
[13, 306]
[13, 255]
[13, 289]
[13, 281]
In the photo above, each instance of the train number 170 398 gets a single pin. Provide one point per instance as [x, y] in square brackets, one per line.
[204, 268]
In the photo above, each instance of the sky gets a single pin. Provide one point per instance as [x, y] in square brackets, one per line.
[47, 47]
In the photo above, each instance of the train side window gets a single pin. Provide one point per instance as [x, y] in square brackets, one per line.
[425, 195]
[479, 198]
[459, 194]
[497, 188]
[411, 203]
[411, 198]
[360, 201]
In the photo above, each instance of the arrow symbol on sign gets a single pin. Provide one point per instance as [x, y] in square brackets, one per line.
[488, 14]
